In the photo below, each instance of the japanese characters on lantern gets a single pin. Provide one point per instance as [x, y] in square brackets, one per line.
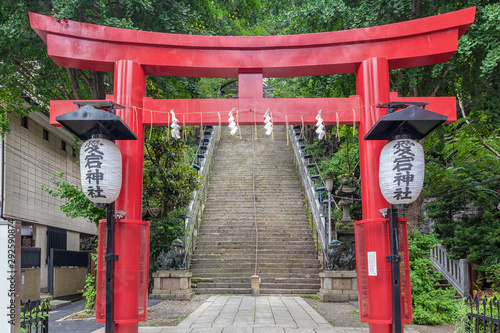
[101, 170]
[401, 171]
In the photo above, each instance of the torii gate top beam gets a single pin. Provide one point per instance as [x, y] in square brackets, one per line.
[407, 44]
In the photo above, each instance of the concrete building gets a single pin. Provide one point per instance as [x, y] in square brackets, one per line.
[34, 152]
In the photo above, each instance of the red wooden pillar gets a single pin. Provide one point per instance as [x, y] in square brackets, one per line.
[372, 85]
[129, 91]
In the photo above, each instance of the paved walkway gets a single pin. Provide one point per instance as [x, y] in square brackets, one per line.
[248, 314]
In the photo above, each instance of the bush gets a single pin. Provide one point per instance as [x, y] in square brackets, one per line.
[431, 306]
[89, 291]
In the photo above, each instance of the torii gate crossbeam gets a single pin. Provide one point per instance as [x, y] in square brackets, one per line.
[369, 52]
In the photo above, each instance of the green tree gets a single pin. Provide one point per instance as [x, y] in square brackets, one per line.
[169, 179]
[30, 79]
[77, 204]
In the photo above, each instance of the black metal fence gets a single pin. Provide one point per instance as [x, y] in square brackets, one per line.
[35, 316]
[484, 315]
[30, 257]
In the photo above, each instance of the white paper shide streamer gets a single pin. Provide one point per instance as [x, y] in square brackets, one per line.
[232, 124]
[101, 170]
[176, 133]
[401, 172]
[320, 130]
[269, 123]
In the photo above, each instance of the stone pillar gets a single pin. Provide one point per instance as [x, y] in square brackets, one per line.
[338, 286]
[172, 285]
[255, 284]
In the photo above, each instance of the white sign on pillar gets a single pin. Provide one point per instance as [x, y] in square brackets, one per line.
[7, 275]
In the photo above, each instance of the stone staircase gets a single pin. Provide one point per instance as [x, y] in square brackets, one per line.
[226, 254]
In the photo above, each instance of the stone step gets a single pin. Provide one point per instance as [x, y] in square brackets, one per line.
[271, 226]
[269, 286]
[263, 236]
[246, 291]
[288, 222]
[261, 218]
[261, 250]
[237, 271]
[295, 253]
[230, 234]
[275, 291]
[267, 255]
[263, 264]
[250, 242]
[234, 247]
[224, 256]
[232, 291]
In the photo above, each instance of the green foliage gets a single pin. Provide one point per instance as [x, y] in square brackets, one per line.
[169, 178]
[466, 220]
[489, 274]
[431, 306]
[163, 231]
[338, 157]
[36, 313]
[462, 317]
[77, 204]
[89, 291]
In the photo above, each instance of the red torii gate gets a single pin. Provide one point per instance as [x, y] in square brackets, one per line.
[131, 55]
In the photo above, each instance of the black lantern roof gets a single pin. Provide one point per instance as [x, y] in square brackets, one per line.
[413, 120]
[89, 120]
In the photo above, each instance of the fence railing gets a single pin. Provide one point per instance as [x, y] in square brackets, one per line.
[30, 257]
[484, 315]
[455, 271]
[202, 162]
[314, 188]
[35, 316]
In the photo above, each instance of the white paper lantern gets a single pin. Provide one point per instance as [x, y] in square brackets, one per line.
[101, 170]
[401, 171]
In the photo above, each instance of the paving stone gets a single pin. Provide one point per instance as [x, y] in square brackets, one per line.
[238, 330]
[263, 318]
[269, 329]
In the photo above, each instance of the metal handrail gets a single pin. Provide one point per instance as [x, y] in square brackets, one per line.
[314, 188]
[455, 271]
[202, 162]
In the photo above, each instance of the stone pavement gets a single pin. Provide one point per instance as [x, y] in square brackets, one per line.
[248, 314]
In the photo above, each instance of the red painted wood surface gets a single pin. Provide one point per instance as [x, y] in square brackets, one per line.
[413, 43]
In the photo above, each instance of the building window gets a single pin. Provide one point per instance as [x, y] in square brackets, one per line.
[45, 134]
[63, 145]
[73, 152]
[24, 122]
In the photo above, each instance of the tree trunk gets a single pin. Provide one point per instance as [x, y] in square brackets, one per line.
[414, 210]
[97, 85]
[416, 9]
[413, 213]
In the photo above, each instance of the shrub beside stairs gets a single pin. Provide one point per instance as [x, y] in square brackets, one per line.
[226, 256]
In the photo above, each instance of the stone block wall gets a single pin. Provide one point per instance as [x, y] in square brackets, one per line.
[172, 285]
[338, 286]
